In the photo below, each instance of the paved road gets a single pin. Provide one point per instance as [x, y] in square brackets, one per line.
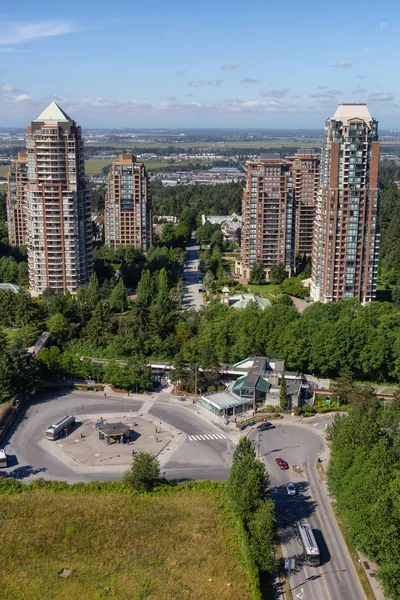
[205, 455]
[336, 578]
[193, 298]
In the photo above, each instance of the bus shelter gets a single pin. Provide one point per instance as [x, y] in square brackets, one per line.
[114, 433]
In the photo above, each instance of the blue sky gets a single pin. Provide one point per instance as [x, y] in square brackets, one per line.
[199, 64]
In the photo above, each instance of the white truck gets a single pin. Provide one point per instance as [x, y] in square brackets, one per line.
[3, 458]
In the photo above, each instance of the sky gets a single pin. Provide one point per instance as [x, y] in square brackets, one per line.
[183, 64]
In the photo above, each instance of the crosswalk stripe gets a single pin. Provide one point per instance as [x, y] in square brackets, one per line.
[206, 436]
[146, 407]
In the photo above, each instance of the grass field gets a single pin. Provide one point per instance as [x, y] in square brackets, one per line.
[3, 170]
[268, 288]
[10, 333]
[93, 166]
[119, 547]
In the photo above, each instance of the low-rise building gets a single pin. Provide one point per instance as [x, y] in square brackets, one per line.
[240, 301]
[258, 383]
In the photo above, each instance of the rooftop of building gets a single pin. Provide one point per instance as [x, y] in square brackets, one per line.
[53, 114]
[348, 112]
[9, 287]
[243, 300]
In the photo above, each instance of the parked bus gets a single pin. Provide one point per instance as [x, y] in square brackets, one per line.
[3, 458]
[59, 427]
[310, 547]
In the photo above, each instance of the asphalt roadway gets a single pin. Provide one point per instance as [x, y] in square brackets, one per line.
[192, 298]
[201, 450]
[301, 444]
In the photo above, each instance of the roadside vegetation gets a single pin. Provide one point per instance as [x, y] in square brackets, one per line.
[363, 477]
[247, 488]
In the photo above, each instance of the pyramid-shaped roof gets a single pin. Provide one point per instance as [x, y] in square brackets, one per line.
[53, 114]
[347, 112]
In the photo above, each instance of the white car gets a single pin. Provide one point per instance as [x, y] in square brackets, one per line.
[290, 489]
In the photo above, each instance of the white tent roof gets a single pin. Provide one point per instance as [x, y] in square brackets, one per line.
[53, 114]
[347, 112]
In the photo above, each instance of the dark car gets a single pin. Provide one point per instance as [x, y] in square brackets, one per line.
[264, 426]
[282, 464]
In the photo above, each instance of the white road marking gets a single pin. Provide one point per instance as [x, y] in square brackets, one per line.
[315, 424]
[206, 436]
[146, 407]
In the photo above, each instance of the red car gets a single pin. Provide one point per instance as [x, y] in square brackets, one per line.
[282, 464]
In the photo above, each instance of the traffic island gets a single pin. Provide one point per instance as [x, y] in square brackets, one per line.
[97, 443]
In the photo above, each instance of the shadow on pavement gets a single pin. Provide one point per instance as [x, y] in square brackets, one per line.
[290, 509]
[22, 472]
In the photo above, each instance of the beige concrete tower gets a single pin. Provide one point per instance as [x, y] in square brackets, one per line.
[59, 229]
[16, 207]
[346, 233]
[128, 207]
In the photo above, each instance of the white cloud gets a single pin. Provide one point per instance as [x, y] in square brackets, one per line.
[230, 67]
[363, 77]
[342, 64]
[275, 93]
[250, 80]
[381, 97]
[20, 33]
[322, 98]
[322, 87]
[383, 24]
[216, 82]
[334, 92]
[359, 90]
[180, 73]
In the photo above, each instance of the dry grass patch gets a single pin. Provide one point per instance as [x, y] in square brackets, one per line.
[119, 547]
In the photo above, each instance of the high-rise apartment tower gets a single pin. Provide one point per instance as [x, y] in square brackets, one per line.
[128, 206]
[59, 228]
[346, 233]
[278, 211]
[16, 208]
[305, 177]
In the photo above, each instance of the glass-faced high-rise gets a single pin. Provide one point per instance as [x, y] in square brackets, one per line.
[128, 204]
[346, 232]
[59, 228]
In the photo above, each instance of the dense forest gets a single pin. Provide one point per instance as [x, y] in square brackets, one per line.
[189, 202]
[364, 478]
[389, 220]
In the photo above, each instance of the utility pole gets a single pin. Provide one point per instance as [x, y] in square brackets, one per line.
[195, 379]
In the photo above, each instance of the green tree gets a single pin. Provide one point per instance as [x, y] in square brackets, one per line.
[163, 297]
[244, 447]
[93, 290]
[247, 486]
[145, 289]
[344, 387]
[283, 395]
[119, 298]
[59, 328]
[98, 326]
[277, 274]
[144, 473]
[262, 531]
[257, 274]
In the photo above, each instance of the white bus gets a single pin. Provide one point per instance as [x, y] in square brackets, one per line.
[310, 547]
[61, 425]
[3, 458]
